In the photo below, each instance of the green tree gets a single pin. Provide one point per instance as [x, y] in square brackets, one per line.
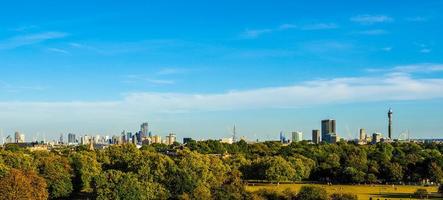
[57, 173]
[312, 193]
[86, 167]
[114, 184]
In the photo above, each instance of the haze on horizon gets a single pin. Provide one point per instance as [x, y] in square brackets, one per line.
[196, 68]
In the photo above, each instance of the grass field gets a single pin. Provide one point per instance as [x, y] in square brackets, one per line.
[362, 191]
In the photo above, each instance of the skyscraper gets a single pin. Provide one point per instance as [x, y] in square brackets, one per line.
[170, 139]
[71, 138]
[362, 134]
[144, 128]
[390, 123]
[297, 136]
[327, 130]
[316, 136]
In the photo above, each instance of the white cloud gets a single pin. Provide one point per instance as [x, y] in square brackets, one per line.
[409, 69]
[287, 26]
[250, 34]
[320, 26]
[57, 50]
[373, 32]
[170, 71]
[417, 19]
[29, 39]
[255, 33]
[395, 84]
[371, 19]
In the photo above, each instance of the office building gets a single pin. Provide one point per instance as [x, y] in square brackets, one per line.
[170, 139]
[156, 139]
[297, 136]
[144, 129]
[316, 136]
[328, 130]
[376, 138]
[362, 134]
[19, 137]
[71, 138]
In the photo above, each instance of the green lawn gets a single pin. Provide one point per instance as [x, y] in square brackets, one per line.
[362, 191]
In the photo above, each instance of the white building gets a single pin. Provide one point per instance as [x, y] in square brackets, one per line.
[297, 136]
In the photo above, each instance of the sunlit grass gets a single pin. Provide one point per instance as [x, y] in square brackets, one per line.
[362, 191]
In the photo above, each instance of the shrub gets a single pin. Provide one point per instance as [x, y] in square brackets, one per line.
[421, 193]
[312, 193]
[344, 197]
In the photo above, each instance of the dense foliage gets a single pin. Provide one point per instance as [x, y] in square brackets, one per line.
[211, 170]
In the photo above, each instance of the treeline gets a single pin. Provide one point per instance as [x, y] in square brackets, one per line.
[344, 162]
[208, 170]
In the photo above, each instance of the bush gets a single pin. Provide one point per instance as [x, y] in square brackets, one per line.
[344, 197]
[312, 193]
[421, 193]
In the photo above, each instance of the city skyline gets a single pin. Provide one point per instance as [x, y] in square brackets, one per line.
[100, 68]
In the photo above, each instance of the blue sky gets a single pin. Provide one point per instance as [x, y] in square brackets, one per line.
[197, 67]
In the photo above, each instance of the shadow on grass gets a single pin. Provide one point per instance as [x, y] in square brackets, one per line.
[404, 196]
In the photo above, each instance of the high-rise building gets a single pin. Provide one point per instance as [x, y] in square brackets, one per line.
[316, 136]
[362, 134]
[170, 139]
[156, 139]
[60, 140]
[390, 123]
[144, 128]
[71, 138]
[376, 137]
[19, 138]
[297, 136]
[328, 130]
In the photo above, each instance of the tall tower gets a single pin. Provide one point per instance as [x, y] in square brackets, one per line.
[144, 129]
[327, 129]
[390, 123]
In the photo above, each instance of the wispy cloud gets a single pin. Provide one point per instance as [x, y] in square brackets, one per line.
[373, 32]
[170, 71]
[386, 85]
[255, 33]
[408, 69]
[12, 88]
[61, 51]
[320, 26]
[371, 19]
[417, 19]
[29, 39]
[143, 79]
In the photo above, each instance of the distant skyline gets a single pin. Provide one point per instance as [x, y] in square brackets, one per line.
[196, 68]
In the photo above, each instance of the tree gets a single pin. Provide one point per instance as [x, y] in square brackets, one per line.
[57, 173]
[114, 184]
[85, 168]
[22, 185]
[312, 193]
[338, 196]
